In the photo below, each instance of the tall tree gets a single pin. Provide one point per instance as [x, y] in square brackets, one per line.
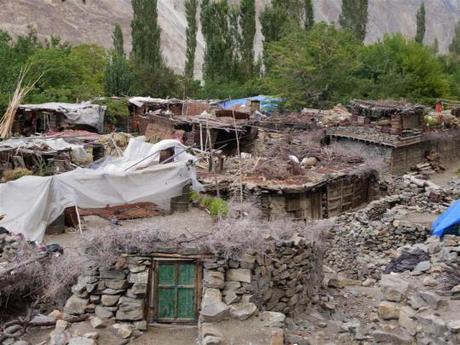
[421, 26]
[354, 17]
[309, 15]
[278, 19]
[248, 32]
[118, 40]
[454, 47]
[146, 33]
[151, 75]
[117, 73]
[192, 28]
[316, 68]
[218, 59]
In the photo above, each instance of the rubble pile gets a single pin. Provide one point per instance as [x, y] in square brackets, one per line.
[9, 245]
[363, 241]
[424, 301]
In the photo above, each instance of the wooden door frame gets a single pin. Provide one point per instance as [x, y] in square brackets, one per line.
[152, 312]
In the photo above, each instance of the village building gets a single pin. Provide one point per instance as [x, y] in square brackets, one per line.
[200, 124]
[55, 117]
[396, 131]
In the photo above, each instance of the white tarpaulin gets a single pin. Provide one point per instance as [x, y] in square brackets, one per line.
[140, 101]
[78, 113]
[78, 152]
[31, 203]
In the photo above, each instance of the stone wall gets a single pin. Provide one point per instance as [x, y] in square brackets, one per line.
[119, 293]
[283, 279]
[362, 242]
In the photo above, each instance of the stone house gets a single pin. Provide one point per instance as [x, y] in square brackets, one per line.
[195, 286]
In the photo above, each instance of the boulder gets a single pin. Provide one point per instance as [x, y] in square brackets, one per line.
[75, 305]
[110, 300]
[212, 307]
[130, 315]
[239, 275]
[116, 284]
[213, 279]
[59, 336]
[273, 319]
[140, 278]
[56, 315]
[81, 341]
[388, 311]
[243, 311]
[432, 299]
[394, 287]
[231, 297]
[123, 330]
[432, 324]
[140, 325]
[429, 281]
[91, 335]
[212, 340]
[393, 338]
[454, 326]
[97, 322]
[407, 319]
[130, 309]
[137, 290]
[111, 274]
[103, 312]
[422, 267]
[416, 302]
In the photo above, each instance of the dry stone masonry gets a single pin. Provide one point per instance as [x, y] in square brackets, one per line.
[363, 241]
[281, 281]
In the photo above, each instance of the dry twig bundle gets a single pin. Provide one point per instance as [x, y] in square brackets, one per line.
[6, 123]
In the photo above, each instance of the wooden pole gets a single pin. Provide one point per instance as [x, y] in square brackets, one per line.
[79, 220]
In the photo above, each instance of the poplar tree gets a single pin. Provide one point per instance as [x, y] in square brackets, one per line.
[218, 58]
[421, 26]
[146, 33]
[309, 15]
[117, 73]
[192, 28]
[247, 15]
[282, 16]
[118, 40]
[354, 17]
[454, 47]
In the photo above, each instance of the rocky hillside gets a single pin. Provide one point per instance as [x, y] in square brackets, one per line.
[93, 22]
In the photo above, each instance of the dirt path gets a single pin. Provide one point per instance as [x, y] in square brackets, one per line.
[168, 335]
[452, 172]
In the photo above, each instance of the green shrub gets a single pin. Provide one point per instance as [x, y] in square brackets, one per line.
[217, 207]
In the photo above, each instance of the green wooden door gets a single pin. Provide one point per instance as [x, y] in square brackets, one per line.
[176, 291]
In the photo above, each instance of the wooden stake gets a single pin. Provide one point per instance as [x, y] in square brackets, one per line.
[79, 220]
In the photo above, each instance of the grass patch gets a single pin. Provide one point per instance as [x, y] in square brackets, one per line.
[217, 207]
[14, 174]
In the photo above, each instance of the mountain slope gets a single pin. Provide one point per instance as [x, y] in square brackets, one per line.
[93, 22]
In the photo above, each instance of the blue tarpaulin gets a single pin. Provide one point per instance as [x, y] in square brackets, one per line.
[267, 103]
[448, 222]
